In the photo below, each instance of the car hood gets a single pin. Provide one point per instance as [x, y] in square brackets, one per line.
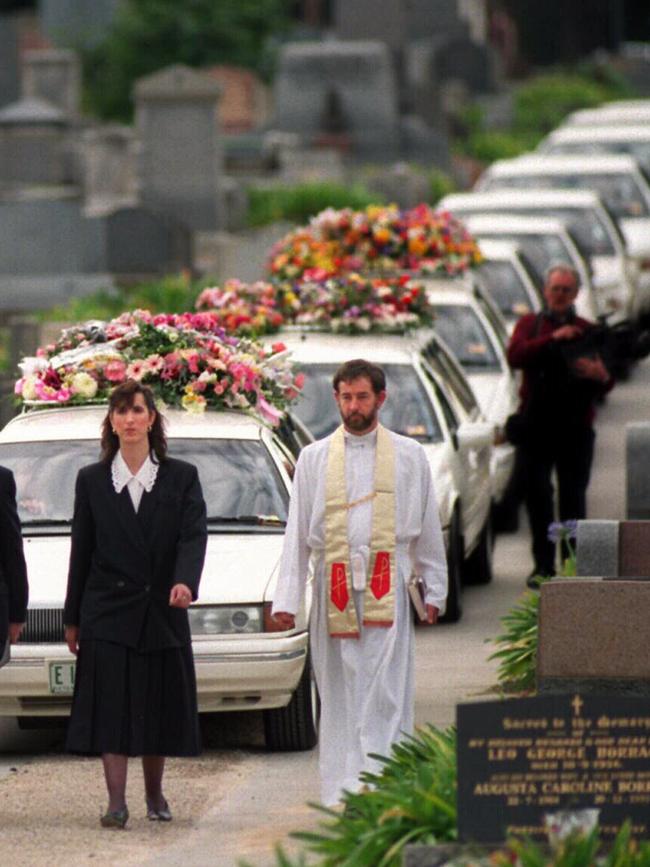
[238, 568]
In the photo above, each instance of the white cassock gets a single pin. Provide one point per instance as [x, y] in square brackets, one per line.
[366, 685]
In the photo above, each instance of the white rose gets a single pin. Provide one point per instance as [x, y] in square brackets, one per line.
[84, 385]
[29, 392]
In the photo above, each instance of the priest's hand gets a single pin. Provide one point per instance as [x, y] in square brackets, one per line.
[285, 620]
[432, 614]
[14, 632]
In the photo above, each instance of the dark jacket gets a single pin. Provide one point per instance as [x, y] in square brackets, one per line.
[123, 565]
[549, 390]
[13, 573]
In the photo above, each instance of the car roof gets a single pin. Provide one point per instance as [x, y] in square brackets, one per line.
[515, 197]
[607, 114]
[478, 223]
[493, 248]
[84, 422]
[326, 346]
[598, 133]
[559, 163]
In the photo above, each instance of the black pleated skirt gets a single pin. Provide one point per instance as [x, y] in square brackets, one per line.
[134, 703]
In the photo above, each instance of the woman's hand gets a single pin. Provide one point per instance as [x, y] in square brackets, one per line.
[72, 639]
[180, 596]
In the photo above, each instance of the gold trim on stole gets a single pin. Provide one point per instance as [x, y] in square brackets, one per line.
[379, 596]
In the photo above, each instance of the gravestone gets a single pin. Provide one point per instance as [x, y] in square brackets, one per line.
[109, 168]
[10, 63]
[180, 157]
[637, 459]
[141, 244]
[33, 144]
[597, 551]
[594, 636]
[521, 760]
[54, 76]
[357, 77]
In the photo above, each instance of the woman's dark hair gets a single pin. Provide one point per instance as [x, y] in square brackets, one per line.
[357, 368]
[124, 396]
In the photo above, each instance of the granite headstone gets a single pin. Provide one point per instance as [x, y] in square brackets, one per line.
[180, 157]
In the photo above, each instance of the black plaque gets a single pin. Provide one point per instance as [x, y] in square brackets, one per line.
[520, 759]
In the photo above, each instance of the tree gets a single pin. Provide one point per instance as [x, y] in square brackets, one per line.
[150, 34]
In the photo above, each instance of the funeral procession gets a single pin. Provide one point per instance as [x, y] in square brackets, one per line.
[324, 433]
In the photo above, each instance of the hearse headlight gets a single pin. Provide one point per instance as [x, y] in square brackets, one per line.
[225, 619]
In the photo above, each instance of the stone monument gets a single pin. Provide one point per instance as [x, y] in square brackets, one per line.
[10, 63]
[350, 85]
[54, 76]
[33, 145]
[180, 158]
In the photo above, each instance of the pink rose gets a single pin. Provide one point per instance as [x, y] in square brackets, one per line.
[115, 371]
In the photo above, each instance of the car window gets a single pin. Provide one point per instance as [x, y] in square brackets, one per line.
[238, 477]
[504, 283]
[621, 191]
[465, 334]
[447, 410]
[640, 150]
[408, 409]
[450, 373]
[540, 248]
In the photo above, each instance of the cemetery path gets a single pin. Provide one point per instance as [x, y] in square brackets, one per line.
[236, 802]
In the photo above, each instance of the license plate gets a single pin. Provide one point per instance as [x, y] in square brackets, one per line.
[62, 677]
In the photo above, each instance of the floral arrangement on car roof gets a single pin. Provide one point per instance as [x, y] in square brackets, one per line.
[380, 238]
[187, 359]
[349, 303]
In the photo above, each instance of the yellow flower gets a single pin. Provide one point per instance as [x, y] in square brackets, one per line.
[194, 403]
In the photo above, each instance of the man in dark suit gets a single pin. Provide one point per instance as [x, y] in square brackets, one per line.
[13, 572]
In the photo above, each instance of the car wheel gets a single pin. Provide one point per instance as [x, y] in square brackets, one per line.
[478, 568]
[454, 610]
[295, 727]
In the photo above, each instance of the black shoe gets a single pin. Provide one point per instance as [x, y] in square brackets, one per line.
[164, 814]
[115, 818]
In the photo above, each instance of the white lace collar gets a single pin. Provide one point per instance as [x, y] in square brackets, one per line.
[121, 475]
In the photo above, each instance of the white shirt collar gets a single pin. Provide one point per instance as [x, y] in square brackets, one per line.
[121, 475]
[368, 439]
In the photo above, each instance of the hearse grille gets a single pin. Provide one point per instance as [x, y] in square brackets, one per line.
[43, 626]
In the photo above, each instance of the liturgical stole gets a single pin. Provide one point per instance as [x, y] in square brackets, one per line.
[379, 598]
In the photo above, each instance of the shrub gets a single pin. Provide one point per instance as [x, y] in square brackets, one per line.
[544, 102]
[299, 203]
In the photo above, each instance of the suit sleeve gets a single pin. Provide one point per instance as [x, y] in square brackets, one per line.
[11, 551]
[81, 552]
[193, 539]
[524, 347]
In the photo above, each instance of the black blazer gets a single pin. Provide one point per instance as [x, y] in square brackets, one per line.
[13, 572]
[123, 565]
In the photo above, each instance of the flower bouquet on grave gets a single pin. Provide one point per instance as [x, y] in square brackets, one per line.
[187, 359]
[378, 239]
[242, 308]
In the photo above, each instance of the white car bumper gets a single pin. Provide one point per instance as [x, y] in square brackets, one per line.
[242, 672]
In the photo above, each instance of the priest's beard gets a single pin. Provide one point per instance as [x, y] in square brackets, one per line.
[359, 423]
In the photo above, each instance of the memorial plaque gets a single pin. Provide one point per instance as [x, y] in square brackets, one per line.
[521, 759]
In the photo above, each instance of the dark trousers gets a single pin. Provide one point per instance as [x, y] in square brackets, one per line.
[570, 453]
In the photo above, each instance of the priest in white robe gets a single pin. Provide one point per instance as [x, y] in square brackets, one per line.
[364, 509]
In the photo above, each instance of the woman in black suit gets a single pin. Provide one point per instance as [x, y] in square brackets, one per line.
[138, 544]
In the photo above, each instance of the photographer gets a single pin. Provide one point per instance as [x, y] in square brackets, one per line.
[563, 377]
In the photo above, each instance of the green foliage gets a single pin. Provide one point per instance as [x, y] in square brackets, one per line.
[413, 798]
[543, 103]
[440, 185]
[150, 34]
[490, 145]
[517, 653]
[174, 294]
[299, 203]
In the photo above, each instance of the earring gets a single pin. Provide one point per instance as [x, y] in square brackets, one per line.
[113, 429]
[149, 429]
